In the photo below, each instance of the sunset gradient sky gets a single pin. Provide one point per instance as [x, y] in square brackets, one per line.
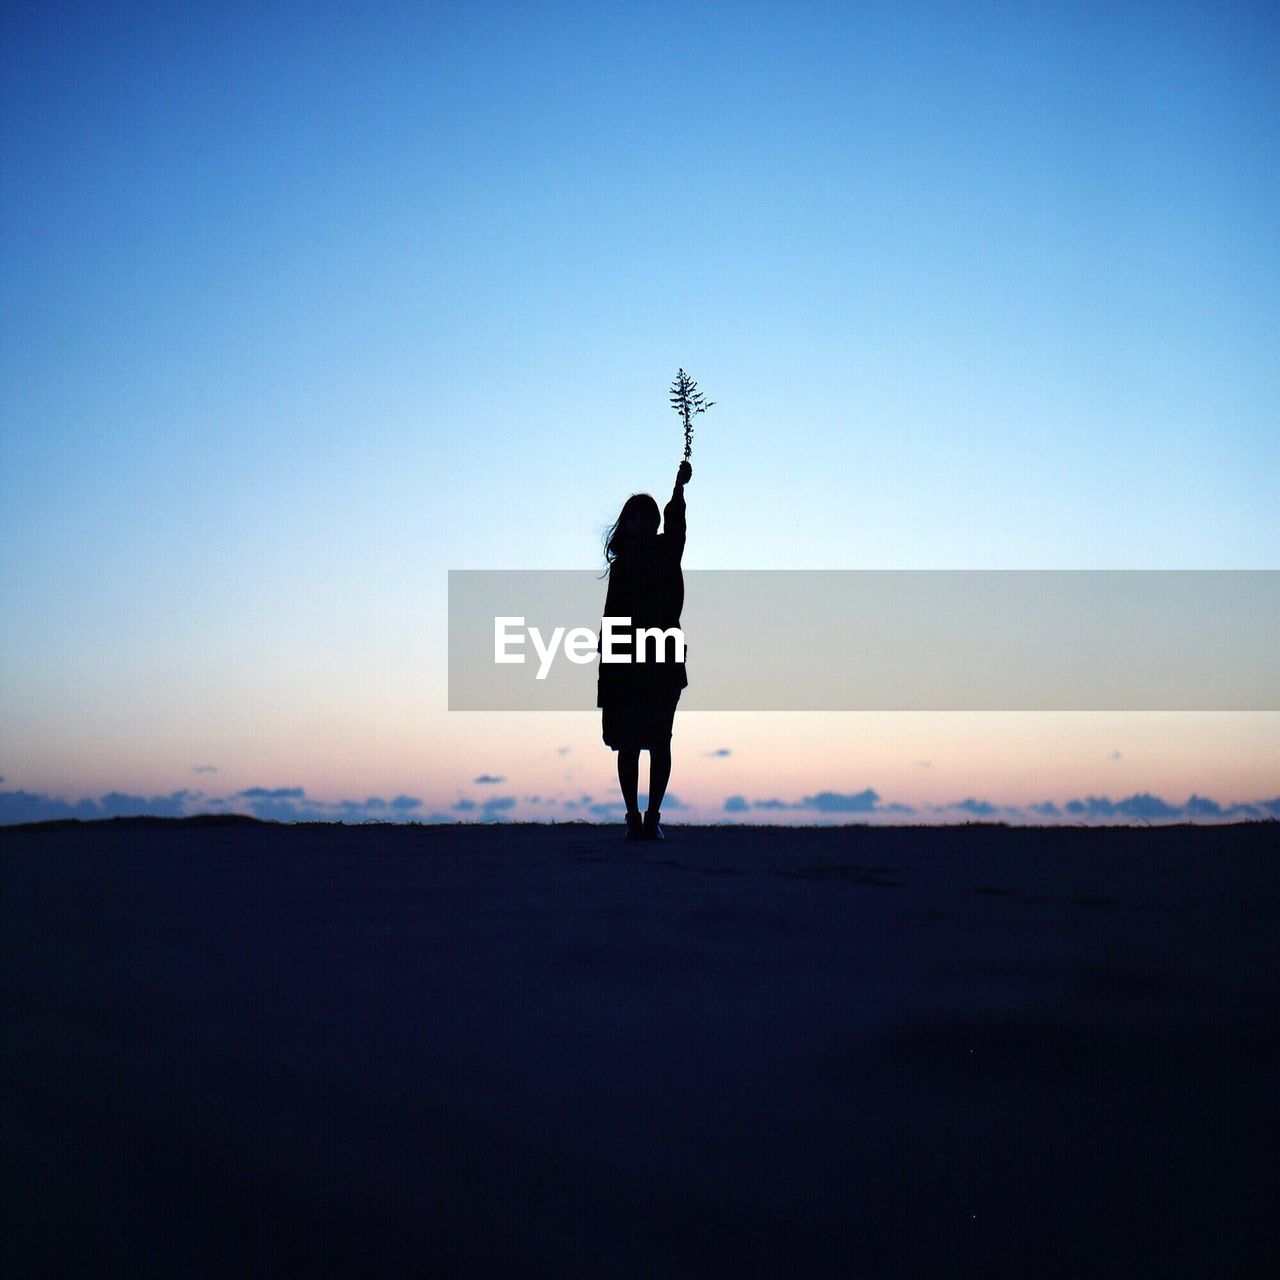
[302, 307]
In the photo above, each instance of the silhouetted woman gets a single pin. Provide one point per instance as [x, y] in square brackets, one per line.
[638, 700]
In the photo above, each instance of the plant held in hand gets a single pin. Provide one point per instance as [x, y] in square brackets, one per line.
[687, 400]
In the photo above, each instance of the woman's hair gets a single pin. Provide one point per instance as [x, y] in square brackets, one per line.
[617, 539]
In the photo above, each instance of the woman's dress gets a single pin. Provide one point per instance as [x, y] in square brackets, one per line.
[646, 584]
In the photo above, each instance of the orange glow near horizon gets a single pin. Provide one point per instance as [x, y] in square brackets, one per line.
[921, 760]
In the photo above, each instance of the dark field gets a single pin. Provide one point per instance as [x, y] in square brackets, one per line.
[250, 1049]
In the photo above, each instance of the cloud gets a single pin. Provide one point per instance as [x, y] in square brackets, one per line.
[374, 806]
[488, 780]
[1094, 806]
[867, 801]
[195, 768]
[1243, 811]
[1144, 805]
[286, 804]
[285, 810]
[1141, 805]
[1202, 807]
[497, 805]
[979, 808]
[27, 806]
[291, 804]
[720, 751]
[373, 809]
[839, 802]
[116, 804]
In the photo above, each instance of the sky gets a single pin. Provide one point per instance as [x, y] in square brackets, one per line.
[303, 306]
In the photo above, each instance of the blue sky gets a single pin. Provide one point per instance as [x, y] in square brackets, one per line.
[301, 307]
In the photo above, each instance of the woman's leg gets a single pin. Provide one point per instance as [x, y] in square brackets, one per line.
[659, 774]
[629, 776]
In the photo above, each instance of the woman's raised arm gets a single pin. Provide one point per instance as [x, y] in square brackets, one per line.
[673, 520]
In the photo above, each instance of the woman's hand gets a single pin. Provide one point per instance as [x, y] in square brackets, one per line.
[685, 474]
